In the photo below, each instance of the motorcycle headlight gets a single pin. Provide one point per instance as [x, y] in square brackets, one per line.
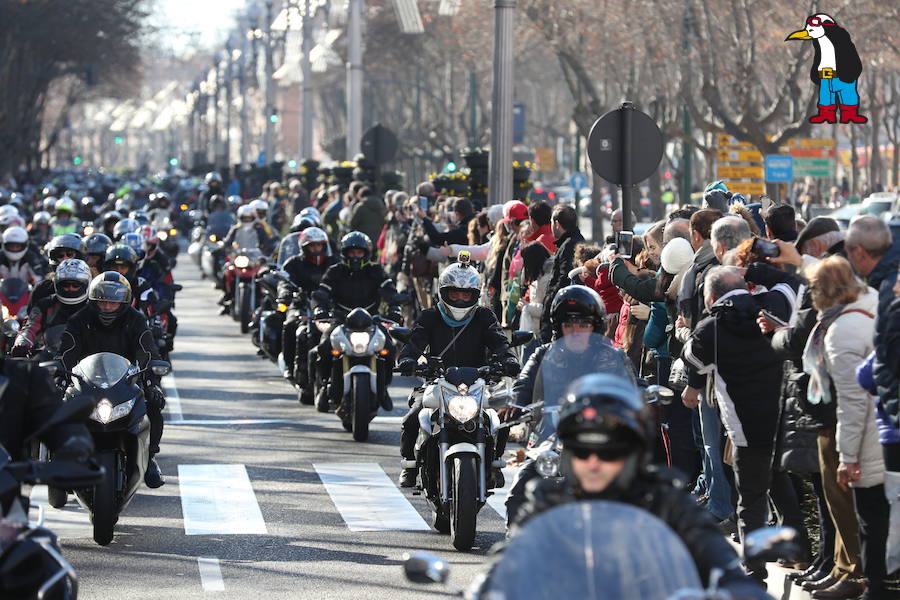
[105, 412]
[282, 307]
[173, 232]
[213, 238]
[322, 326]
[360, 341]
[184, 207]
[547, 463]
[88, 231]
[163, 236]
[462, 408]
[242, 262]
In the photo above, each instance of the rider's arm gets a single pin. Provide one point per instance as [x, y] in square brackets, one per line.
[493, 336]
[419, 339]
[30, 330]
[523, 388]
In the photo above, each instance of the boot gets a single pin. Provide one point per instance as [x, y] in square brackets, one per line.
[153, 477]
[849, 114]
[386, 403]
[827, 114]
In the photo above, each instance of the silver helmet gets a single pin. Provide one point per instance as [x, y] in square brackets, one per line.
[69, 271]
[459, 277]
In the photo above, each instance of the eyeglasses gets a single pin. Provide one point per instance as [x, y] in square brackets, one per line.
[817, 22]
[604, 454]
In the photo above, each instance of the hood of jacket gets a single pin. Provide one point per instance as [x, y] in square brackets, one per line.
[886, 267]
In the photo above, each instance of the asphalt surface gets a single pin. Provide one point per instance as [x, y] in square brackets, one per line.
[305, 512]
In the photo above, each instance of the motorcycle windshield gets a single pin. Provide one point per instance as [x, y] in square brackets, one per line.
[567, 359]
[592, 551]
[53, 336]
[219, 223]
[13, 289]
[103, 369]
[290, 246]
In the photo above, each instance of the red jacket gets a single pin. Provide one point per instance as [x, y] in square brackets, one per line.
[609, 293]
[544, 235]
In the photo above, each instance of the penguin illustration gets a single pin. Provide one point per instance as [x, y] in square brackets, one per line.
[835, 69]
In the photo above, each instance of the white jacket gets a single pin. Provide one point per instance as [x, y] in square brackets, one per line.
[531, 313]
[848, 342]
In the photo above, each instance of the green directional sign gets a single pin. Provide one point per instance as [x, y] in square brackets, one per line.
[813, 167]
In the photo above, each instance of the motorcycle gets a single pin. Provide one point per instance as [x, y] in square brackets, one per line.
[15, 295]
[168, 235]
[240, 280]
[457, 436]
[269, 317]
[121, 431]
[31, 560]
[578, 550]
[9, 329]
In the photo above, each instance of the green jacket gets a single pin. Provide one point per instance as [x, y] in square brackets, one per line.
[368, 216]
[642, 290]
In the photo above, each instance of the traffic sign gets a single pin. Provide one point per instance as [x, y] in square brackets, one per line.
[739, 156]
[379, 144]
[745, 188]
[723, 140]
[606, 146]
[739, 172]
[578, 181]
[814, 142]
[813, 152]
[546, 158]
[779, 168]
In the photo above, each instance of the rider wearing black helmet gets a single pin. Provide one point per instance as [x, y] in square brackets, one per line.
[94, 248]
[109, 324]
[355, 282]
[606, 433]
[108, 223]
[61, 247]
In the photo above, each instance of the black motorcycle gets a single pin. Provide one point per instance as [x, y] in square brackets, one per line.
[121, 431]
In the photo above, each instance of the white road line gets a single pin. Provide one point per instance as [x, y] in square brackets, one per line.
[210, 574]
[173, 400]
[232, 421]
[498, 500]
[388, 419]
[367, 498]
[218, 500]
[68, 522]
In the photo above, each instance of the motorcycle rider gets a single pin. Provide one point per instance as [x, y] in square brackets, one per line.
[462, 334]
[606, 433]
[305, 270]
[58, 249]
[94, 248]
[39, 228]
[108, 323]
[108, 223]
[355, 282]
[18, 260]
[261, 207]
[213, 182]
[64, 221]
[71, 285]
[248, 232]
[577, 319]
[123, 259]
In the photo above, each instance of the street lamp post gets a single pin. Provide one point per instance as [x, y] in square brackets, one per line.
[354, 78]
[229, 76]
[306, 120]
[268, 145]
[500, 176]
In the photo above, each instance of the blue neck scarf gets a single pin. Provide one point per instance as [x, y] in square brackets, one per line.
[450, 320]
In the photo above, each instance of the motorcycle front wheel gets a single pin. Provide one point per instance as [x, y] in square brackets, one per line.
[105, 508]
[464, 502]
[246, 310]
[361, 393]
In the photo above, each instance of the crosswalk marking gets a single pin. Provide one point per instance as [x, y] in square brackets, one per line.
[68, 522]
[367, 498]
[173, 400]
[218, 500]
[210, 574]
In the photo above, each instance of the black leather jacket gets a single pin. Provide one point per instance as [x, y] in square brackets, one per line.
[481, 335]
[365, 288]
[128, 336]
[303, 274]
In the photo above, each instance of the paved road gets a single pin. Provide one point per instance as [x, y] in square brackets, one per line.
[264, 498]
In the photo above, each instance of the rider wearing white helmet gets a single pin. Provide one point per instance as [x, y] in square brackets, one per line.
[18, 260]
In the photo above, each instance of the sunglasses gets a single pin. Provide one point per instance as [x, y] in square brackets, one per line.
[816, 22]
[65, 254]
[604, 454]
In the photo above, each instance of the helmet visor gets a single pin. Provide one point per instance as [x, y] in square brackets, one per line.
[109, 291]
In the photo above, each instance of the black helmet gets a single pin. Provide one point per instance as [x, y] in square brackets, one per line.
[96, 243]
[604, 414]
[576, 301]
[216, 202]
[109, 219]
[353, 240]
[66, 243]
[120, 254]
[110, 287]
[716, 198]
[160, 200]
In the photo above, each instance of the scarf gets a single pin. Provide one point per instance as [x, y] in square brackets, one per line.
[814, 363]
[450, 320]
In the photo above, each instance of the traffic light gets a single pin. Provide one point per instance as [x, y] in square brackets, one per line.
[273, 118]
[76, 161]
[173, 162]
[292, 164]
[118, 139]
[451, 167]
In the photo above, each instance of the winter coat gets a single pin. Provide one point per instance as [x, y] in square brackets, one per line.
[128, 336]
[690, 295]
[562, 264]
[366, 288]
[458, 234]
[432, 336]
[537, 295]
[887, 354]
[368, 216]
[642, 290]
[728, 345]
[609, 293]
[886, 367]
[847, 343]
[656, 332]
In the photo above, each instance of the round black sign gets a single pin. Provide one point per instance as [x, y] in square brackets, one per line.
[606, 146]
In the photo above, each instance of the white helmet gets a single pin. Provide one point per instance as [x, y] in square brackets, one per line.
[15, 243]
[260, 206]
[459, 278]
[245, 211]
[72, 270]
[67, 204]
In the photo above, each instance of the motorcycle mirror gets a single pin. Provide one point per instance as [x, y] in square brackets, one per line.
[660, 393]
[10, 327]
[420, 567]
[401, 334]
[74, 410]
[54, 366]
[520, 337]
[771, 543]
[160, 367]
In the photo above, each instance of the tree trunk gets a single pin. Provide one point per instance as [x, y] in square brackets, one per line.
[854, 162]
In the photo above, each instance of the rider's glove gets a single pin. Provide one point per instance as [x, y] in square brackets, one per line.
[406, 366]
[511, 367]
[20, 350]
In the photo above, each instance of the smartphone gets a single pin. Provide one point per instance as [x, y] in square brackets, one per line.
[770, 317]
[625, 243]
[765, 248]
[423, 203]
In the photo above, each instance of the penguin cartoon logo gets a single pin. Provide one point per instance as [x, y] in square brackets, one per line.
[835, 69]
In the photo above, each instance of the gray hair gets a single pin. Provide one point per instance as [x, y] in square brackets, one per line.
[426, 188]
[677, 228]
[828, 239]
[730, 231]
[871, 233]
[721, 280]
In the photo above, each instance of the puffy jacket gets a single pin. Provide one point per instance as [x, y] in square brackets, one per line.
[728, 345]
[660, 492]
[368, 216]
[365, 288]
[458, 234]
[432, 336]
[559, 278]
[690, 295]
[886, 367]
[128, 336]
[304, 274]
[847, 343]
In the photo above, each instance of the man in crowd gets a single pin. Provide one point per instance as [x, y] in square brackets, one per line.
[564, 221]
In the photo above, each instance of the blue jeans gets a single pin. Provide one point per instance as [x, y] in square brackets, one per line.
[834, 91]
[718, 486]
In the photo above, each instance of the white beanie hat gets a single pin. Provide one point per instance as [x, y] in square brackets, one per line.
[675, 255]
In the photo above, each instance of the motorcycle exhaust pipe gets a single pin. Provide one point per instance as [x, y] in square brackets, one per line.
[445, 485]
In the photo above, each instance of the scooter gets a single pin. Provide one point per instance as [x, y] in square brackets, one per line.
[121, 431]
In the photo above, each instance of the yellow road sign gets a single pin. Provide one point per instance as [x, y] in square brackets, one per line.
[814, 142]
[737, 172]
[723, 140]
[745, 188]
[725, 156]
[546, 158]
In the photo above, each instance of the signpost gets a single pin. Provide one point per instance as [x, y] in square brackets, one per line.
[779, 168]
[625, 147]
[578, 181]
[739, 172]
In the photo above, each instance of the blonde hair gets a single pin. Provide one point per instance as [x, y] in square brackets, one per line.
[833, 282]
